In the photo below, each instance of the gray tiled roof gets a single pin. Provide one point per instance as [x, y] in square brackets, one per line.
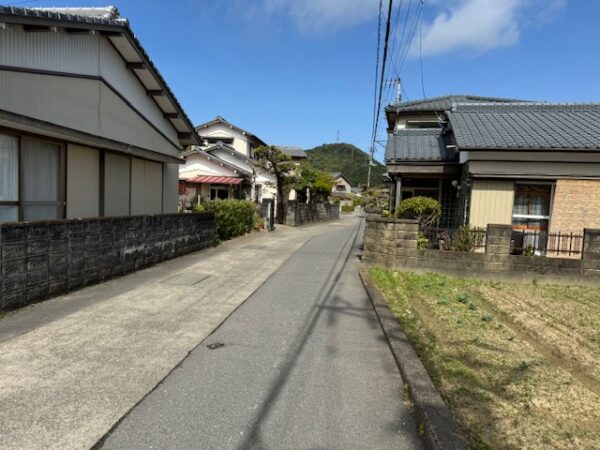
[418, 144]
[442, 103]
[526, 126]
[293, 151]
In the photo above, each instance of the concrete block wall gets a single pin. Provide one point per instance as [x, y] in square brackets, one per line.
[43, 259]
[300, 213]
[392, 243]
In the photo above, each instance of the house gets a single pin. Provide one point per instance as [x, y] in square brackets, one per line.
[88, 126]
[233, 147]
[297, 154]
[220, 130]
[205, 176]
[532, 165]
[340, 183]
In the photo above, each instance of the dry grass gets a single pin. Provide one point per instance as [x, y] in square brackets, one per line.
[519, 364]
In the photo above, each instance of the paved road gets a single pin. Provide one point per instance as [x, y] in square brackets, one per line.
[304, 365]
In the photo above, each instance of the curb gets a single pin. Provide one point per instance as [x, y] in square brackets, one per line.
[440, 432]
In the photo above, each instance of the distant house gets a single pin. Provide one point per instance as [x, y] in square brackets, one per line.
[534, 166]
[205, 176]
[220, 130]
[340, 183]
[89, 127]
[233, 148]
[297, 154]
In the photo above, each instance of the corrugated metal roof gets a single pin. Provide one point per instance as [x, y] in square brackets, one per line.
[418, 144]
[215, 180]
[542, 126]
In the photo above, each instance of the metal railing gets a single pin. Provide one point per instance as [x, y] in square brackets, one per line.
[541, 243]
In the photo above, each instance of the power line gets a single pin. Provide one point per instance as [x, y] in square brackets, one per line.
[375, 111]
[421, 55]
[385, 53]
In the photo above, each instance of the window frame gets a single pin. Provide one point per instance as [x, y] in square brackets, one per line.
[62, 180]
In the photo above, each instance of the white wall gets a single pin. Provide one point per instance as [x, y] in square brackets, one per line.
[200, 165]
[240, 141]
[83, 181]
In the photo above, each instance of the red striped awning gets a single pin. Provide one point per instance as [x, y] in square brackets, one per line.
[215, 180]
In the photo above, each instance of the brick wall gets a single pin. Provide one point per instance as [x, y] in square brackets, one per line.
[573, 202]
[300, 213]
[42, 259]
[392, 243]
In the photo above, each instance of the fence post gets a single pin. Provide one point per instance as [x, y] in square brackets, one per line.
[497, 247]
[591, 252]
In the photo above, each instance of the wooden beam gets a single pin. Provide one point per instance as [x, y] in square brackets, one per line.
[135, 65]
[171, 115]
[155, 92]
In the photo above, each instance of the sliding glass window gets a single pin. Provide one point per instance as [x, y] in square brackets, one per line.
[9, 178]
[31, 179]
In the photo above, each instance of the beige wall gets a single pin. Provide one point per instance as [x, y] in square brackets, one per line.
[146, 187]
[83, 181]
[576, 206]
[491, 202]
[116, 185]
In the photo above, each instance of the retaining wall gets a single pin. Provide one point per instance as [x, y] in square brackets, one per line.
[392, 243]
[300, 213]
[43, 259]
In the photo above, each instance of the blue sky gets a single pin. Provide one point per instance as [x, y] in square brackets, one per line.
[298, 71]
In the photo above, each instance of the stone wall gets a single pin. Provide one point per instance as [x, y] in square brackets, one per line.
[392, 243]
[43, 259]
[301, 213]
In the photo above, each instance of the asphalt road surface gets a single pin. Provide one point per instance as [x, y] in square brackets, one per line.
[302, 364]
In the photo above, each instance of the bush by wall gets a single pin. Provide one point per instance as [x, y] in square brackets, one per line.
[425, 210]
[233, 217]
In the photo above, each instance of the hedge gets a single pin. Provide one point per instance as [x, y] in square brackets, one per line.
[233, 217]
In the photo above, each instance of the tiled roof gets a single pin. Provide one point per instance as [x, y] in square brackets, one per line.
[418, 144]
[225, 122]
[526, 126]
[108, 18]
[442, 103]
[294, 152]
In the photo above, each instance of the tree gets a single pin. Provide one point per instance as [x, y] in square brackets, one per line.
[425, 210]
[319, 183]
[280, 165]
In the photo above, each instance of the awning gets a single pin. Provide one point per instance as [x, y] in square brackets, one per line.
[215, 180]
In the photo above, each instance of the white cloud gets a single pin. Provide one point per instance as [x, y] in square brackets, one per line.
[321, 16]
[481, 25]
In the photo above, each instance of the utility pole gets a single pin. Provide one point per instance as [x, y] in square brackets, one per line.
[398, 83]
[371, 150]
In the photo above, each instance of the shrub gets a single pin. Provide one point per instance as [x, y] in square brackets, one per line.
[233, 217]
[467, 239]
[347, 208]
[425, 210]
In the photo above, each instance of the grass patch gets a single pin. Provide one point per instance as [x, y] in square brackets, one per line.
[519, 364]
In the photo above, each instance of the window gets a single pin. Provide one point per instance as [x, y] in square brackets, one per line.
[9, 178]
[531, 210]
[224, 140]
[31, 179]
[41, 180]
[219, 193]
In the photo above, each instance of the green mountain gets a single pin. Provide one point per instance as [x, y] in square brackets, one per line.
[348, 159]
